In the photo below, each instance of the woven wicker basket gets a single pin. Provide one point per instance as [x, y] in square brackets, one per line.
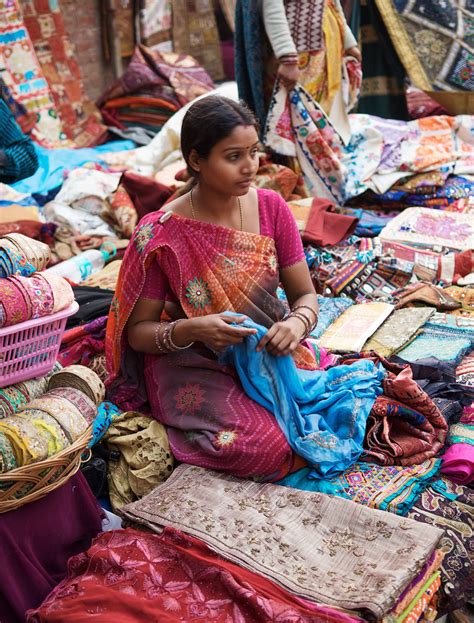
[32, 482]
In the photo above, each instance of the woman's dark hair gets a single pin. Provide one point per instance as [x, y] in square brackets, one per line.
[208, 121]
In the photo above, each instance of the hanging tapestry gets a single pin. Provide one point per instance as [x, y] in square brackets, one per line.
[195, 33]
[24, 77]
[155, 22]
[434, 41]
[57, 58]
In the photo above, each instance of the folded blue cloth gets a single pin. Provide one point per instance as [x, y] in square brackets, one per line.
[54, 162]
[322, 413]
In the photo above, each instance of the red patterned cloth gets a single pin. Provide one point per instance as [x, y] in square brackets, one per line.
[405, 427]
[129, 576]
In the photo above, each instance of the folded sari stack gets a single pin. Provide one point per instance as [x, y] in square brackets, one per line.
[21, 255]
[404, 427]
[15, 397]
[25, 298]
[390, 563]
[46, 425]
[153, 87]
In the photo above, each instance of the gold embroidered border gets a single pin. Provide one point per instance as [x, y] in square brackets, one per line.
[403, 45]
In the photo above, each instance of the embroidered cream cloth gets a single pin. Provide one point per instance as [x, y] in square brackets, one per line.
[320, 547]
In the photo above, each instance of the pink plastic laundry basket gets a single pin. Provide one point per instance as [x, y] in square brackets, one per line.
[30, 349]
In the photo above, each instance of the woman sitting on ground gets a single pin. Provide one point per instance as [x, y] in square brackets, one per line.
[222, 247]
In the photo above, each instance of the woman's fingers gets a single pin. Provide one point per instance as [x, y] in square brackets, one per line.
[266, 338]
[231, 318]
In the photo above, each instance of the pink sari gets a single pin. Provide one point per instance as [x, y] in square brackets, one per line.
[211, 422]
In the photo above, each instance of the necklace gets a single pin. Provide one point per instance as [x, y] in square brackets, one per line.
[191, 203]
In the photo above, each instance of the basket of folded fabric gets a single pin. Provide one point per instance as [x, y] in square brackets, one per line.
[33, 315]
[42, 445]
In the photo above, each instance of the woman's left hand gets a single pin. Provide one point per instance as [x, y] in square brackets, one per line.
[355, 52]
[283, 337]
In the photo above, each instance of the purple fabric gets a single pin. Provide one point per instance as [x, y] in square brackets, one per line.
[36, 542]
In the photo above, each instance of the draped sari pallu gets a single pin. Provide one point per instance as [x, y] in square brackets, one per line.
[213, 419]
[210, 269]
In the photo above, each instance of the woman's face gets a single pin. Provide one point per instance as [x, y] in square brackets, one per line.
[232, 164]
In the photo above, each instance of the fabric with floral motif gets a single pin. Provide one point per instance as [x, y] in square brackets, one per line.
[390, 488]
[136, 575]
[450, 507]
[268, 528]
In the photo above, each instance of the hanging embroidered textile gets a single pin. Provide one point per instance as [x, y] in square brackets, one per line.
[24, 76]
[57, 58]
[432, 40]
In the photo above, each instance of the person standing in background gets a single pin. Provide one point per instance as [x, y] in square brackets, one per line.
[309, 41]
[18, 159]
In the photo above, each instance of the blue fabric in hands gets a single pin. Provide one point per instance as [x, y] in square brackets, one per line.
[322, 413]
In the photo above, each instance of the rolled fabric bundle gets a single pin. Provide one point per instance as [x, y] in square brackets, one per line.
[64, 412]
[62, 291]
[81, 378]
[29, 445]
[15, 397]
[33, 251]
[78, 399]
[25, 298]
[13, 263]
[7, 456]
[48, 427]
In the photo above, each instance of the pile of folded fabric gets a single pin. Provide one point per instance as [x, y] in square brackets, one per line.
[153, 87]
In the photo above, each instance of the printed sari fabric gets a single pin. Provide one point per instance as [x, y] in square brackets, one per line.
[211, 421]
[329, 77]
[451, 507]
[136, 576]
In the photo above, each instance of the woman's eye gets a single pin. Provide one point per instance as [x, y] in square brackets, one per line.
[234, 157]
[254, 153]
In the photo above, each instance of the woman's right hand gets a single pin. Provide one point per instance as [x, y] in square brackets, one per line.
[288, 75]
[214, 330]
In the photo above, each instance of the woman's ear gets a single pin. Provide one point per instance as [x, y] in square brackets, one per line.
[194, 161]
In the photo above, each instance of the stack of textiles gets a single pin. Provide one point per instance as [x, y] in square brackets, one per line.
[25, 298]
[391, 488]
[83, 343]
[22, 256]
[430, 190]
[354, 327]
[153, 87]
[15, 397]
[425, 227]
[382, 554]
[49, 423]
